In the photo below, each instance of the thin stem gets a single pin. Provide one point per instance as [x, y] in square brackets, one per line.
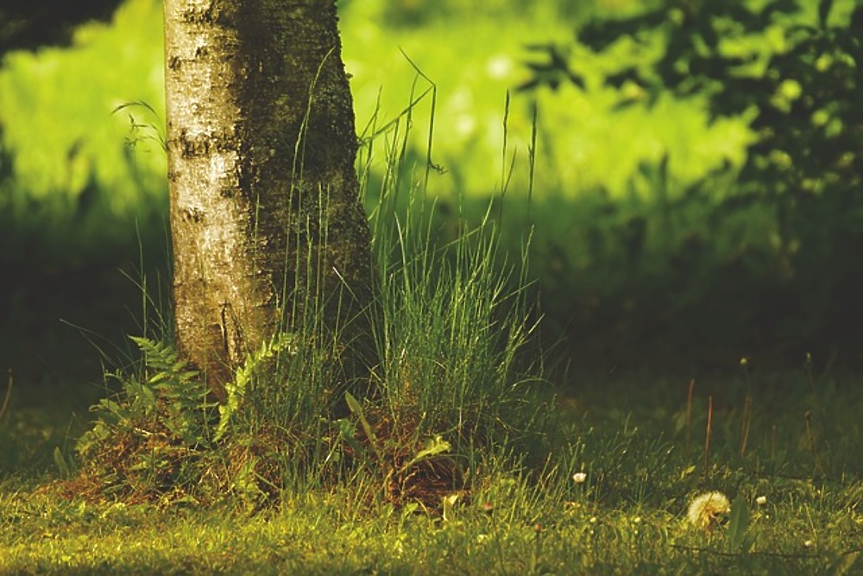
[709, 428]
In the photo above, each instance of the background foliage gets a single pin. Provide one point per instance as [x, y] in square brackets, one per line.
[793, 211]
[70, 187]
[690, 170]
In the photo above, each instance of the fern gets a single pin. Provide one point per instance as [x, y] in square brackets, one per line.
[182, 395]
[246, 376]
[168, 399]
[134, 406]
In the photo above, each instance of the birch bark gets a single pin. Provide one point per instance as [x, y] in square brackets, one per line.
[266, 223]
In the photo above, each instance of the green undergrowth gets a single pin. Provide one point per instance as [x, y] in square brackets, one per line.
[455, 386]
[446, 395]
[631, 455]
[70, 189]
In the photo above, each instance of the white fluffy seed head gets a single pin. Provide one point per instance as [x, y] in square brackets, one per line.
[707, 509]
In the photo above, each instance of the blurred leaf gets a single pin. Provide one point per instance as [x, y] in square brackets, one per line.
[354, 406]
[844, 563]
[739, 523]
[60, 462]
[347, 433]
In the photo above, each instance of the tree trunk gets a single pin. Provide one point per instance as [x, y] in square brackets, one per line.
[265, 217]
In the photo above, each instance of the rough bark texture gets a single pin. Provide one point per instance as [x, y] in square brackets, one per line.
[265, 217]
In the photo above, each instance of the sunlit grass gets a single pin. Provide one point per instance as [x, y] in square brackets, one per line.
[629, 514]
[584, 142]
[82, 166]
[56, 116]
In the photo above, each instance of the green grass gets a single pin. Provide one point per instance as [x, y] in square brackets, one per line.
[80, 187]
[584, 141]
[68, 178]
[643, 465]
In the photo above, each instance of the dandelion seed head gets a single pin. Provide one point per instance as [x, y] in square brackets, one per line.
[579, 477]
[707, 509]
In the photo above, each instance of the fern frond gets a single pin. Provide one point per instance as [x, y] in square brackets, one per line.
[182, 394]
[246, 374]
[158, 356]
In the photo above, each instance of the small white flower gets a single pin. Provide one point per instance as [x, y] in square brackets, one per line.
[761, 500]
[579, 477]
[637, 520]
[706, 510]
[808, 544]
[592, 520]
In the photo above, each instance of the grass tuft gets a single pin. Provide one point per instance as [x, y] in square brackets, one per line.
[452, 388]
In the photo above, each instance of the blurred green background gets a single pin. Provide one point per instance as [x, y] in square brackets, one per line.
[689, 171]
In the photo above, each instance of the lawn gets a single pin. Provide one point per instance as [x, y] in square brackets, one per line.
[629, 456]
